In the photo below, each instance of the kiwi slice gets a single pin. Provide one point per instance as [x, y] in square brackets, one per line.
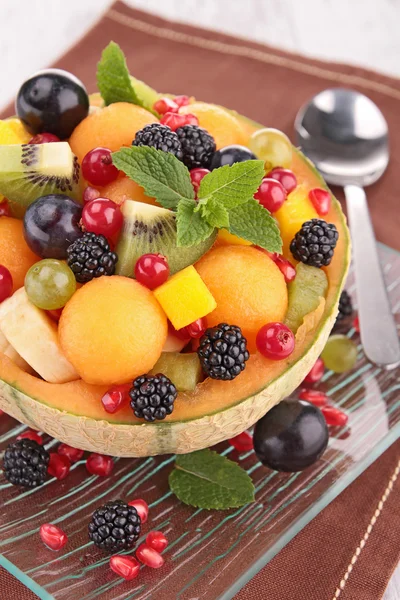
[305, 291]
[147, 95]
[29, 171]
[184, 370]
[151, 229]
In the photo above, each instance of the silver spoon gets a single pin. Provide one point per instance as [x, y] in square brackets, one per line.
[346, 136]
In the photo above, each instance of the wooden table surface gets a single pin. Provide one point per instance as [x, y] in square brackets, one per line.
[33, 33]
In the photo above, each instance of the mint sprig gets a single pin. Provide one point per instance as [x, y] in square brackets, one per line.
[225, 197]
[205, 479]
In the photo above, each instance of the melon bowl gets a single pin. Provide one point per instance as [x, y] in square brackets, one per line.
[215, 411]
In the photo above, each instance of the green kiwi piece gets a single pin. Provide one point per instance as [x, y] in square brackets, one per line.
[184, 370]
[29, 171]
[151, 229]
[147, 95]
[305, 291]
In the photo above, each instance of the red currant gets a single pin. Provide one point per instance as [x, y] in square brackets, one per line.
[59, 466]
[73, 454]
[142, 508]
[316, 372]
[98, 464]
[31, 435]
[321, 200]
[242, 442]
[152, 270]
[174, 120]
[271, 194]
[285, 266]
[314, 397]
[196, 175]
[102, 216]
[5, 208]
[149, 557]
[157, 540]
[44, 138]
[275, 341]
[90, 194]
[97, 167]
[285, 176]
[334, 416]
[182, 100]
[164, 105]
[6, 283]
[52, 536]
[125, 566]
[116, 397]
[194, 330]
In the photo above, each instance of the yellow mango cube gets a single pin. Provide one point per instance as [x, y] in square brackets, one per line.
[225, 238]
[185, 298]
[295, 211]
[19, 129]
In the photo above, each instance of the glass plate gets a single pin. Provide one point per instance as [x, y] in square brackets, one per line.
[211, 554]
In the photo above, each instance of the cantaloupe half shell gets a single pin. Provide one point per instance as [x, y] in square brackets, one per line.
[215, 411]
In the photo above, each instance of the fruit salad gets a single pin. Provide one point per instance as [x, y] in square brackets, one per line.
[169, 269]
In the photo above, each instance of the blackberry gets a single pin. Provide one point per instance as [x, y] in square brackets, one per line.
[198, 146]
[153, 397]
[345, 307]
[90, 256]
[25, 463]
[223, 352]
[314, 243]
[115, 526]
[159, 137]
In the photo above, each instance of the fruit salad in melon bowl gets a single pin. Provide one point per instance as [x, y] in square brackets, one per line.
[169, 269]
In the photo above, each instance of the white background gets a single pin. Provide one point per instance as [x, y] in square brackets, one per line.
[33, 33]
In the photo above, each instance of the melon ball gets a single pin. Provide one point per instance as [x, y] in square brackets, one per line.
[112, 330]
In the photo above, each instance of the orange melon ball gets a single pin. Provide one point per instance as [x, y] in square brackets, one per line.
[112, 330]
[221, 124]
[15, 254]
[123, 189]
[248, 287]
[111, 127]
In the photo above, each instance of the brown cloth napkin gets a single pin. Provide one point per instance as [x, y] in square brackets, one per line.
[350, 550]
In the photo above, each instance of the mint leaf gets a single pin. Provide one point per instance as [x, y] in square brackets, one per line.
[233, 185]
[254, 223]
[215, 213]
[113, 78]
[208, 480]
[192, 228]
[161, 174]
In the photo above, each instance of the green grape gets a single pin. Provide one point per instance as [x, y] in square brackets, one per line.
[273, 147]
[339, 354]
[49, 284]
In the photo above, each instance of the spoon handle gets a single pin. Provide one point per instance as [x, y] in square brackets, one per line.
[377, 325]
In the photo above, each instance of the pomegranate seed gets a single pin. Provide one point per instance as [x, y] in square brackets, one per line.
[174, 120]
[102, 216]
[31, 435]
[73, 454]
[314, 397]
[316, 372]
[142, 508]
[285, 177]
[59, 466]
[157, 540]
[356, 324]
[242, 442]
[334, 416]
[164, 105]
[5, 208]
[53, 536]
[284, 265]
[44, 138]
[98, 464]
[196, 175]
[182, 100]
[321, 200]
[6, 283]
[149, 557]
[275, 341]
[97, 167]
[90, 194]
[125, 566]
[152, 270]
[194, 330]
[271, 194]
[55, 314]
[116, 397]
